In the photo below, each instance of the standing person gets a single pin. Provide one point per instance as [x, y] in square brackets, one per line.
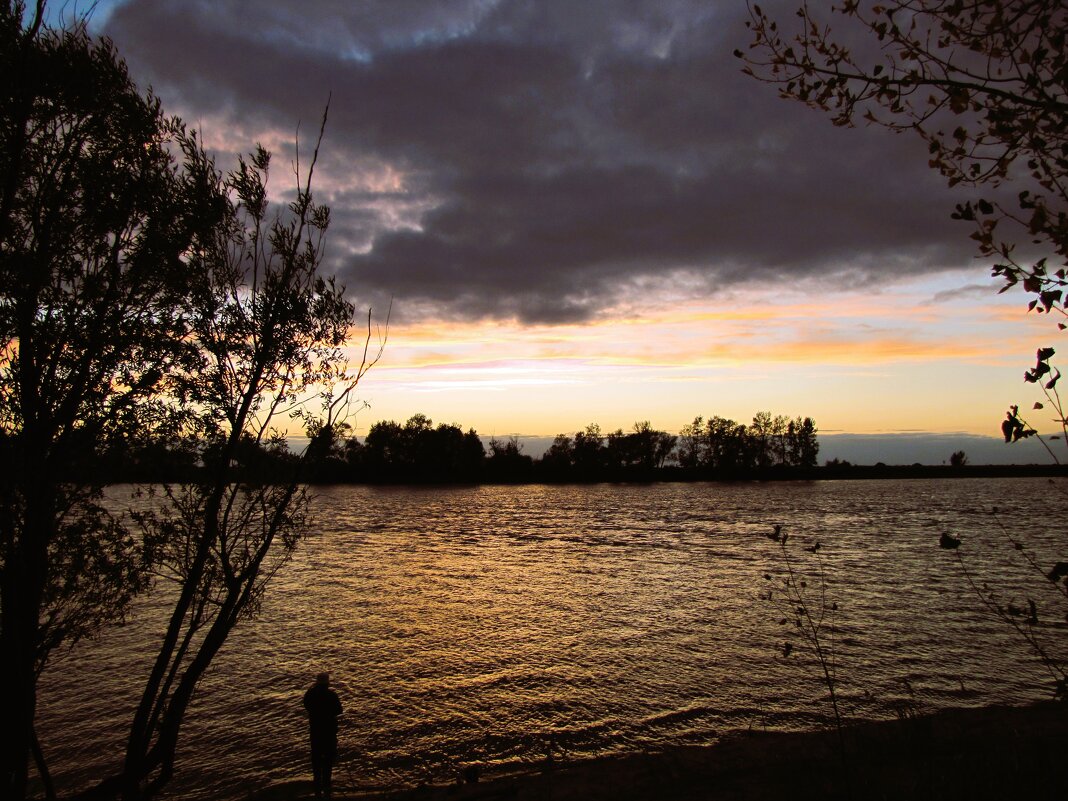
[323, 707]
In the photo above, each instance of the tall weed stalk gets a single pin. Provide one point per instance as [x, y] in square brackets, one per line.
[808, 612]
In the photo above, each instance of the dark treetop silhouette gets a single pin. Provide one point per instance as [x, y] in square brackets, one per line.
[420, 452]
[985, 85]
[144, 297]
[97, 217]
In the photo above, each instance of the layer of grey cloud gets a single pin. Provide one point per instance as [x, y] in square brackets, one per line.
[556, 155]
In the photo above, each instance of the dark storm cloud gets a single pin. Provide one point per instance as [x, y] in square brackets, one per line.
[555, 155]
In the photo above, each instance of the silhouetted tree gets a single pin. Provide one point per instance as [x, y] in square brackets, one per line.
[720, 447]
[333, 464]
[729, 448]
[617, 455]
[448, 454]
[102, 199]
[507, 462]
[471, 458]
[556, 462]
[691, 449]
[419, 452]
[780, 439]
[958, 459]
[803, 448]
[383, 451]
[984, 84]
[418, 446]
[762, 439]
[352, 454]
[648, 449]
[269, 335]
[588, 452]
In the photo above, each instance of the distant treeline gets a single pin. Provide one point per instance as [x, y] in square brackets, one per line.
[418, 451]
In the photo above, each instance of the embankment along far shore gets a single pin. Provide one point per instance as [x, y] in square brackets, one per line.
[967, 754]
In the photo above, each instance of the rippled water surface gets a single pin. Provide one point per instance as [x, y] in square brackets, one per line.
[484, 624]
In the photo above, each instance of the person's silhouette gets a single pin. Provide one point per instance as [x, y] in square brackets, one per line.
[323, 707]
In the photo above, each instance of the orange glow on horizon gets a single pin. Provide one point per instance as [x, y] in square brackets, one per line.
[855, 362]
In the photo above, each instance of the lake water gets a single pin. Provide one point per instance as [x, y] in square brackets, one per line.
[481, 625]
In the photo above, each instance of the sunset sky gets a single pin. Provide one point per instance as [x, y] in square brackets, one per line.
[583, 212]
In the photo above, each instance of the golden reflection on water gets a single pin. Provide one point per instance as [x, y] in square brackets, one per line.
[480, 624]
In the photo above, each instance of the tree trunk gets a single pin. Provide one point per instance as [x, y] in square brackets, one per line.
[22, 588]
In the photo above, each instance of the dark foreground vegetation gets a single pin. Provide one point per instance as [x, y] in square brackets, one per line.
[145, 296]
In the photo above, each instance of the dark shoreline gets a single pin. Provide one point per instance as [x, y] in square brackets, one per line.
[665, 475]
[669, 475]
[980, 753]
